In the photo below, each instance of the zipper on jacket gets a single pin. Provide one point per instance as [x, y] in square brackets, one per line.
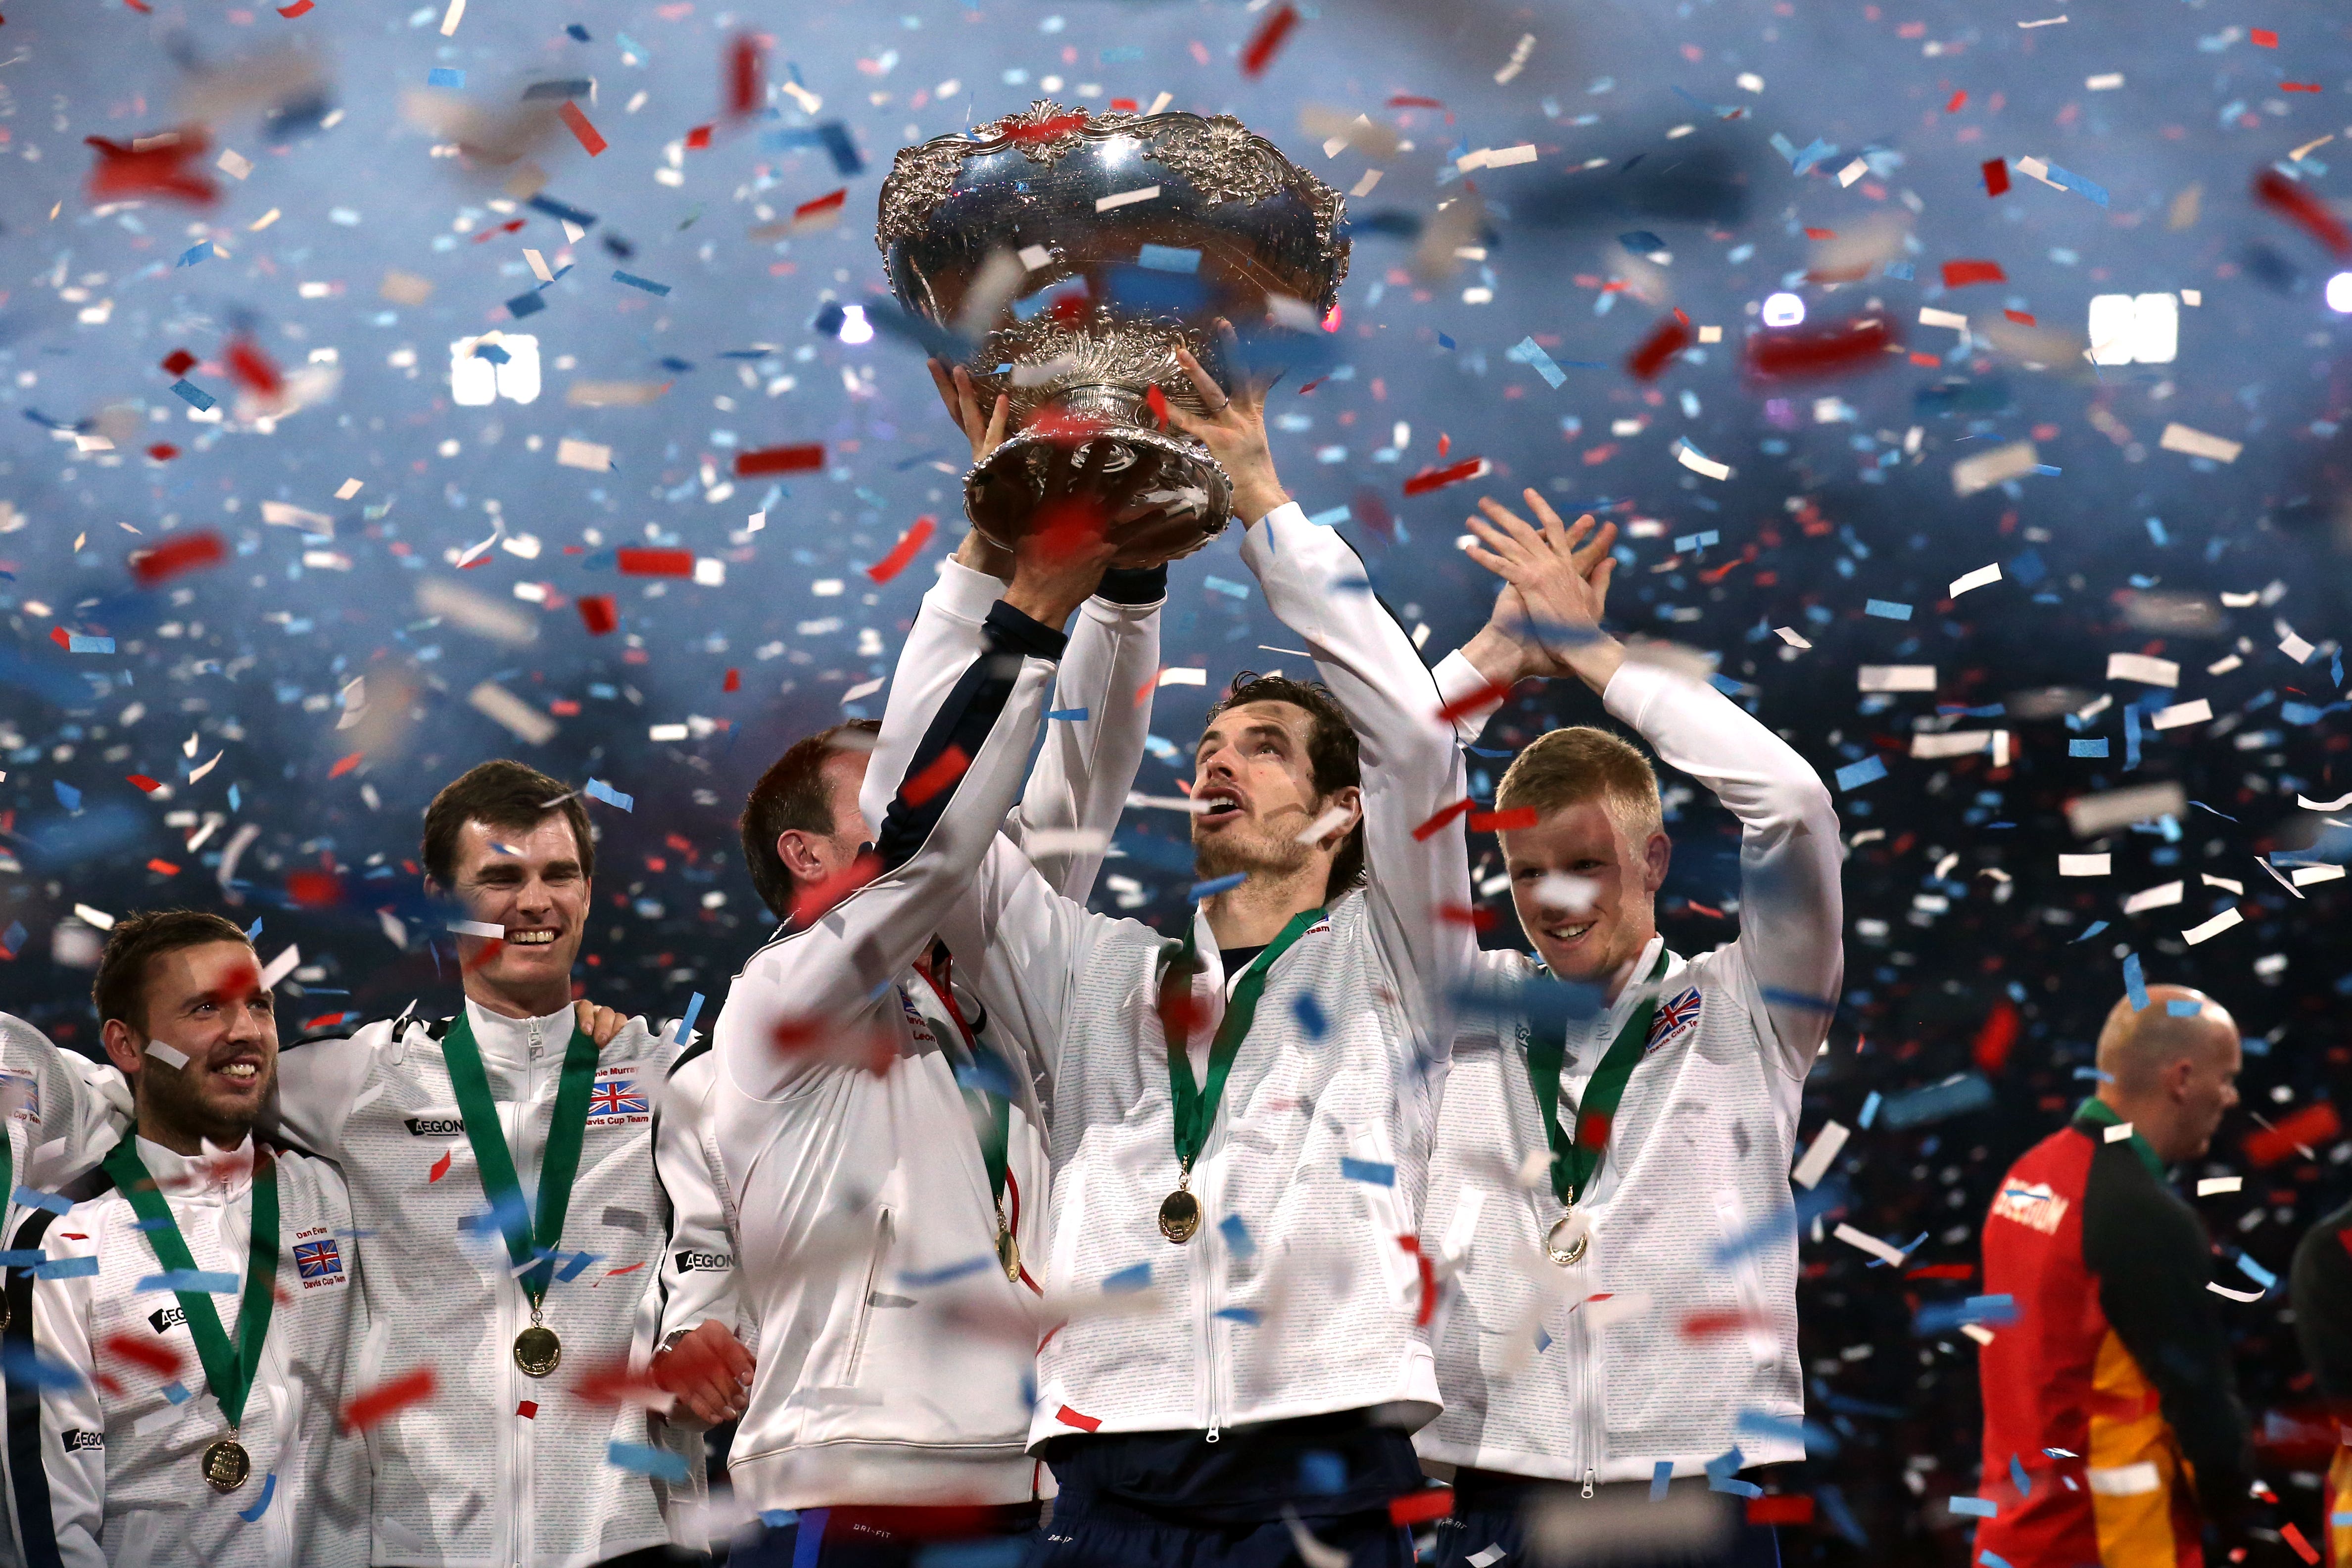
[1204, 1289]
[866, 1302]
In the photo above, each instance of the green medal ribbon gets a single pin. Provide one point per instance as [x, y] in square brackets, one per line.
[1576, 1153]
[2100, 1114]
[228, 1369]
[1196, 1108]
[991, 1113]
[530, 1243]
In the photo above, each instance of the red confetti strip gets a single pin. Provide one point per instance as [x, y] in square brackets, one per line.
[1045, 130]
[2311, 1126]
[831, 201]
[1960, 274]
[2295, 1537]
[2264, 37]
[1271, 33]
[1829, 350]
[1420, 1507]
[345, 764]
[944, 770]
[160, 1359]
[162, 867]
[170, 559]
[1429, 479]
[2299, 87]
[655, 562]
[2022, 317]
[1157, 400]
[1996, 176]
[699, 137]
[1471, 702]
[1407, 101]
[528, 1409]
[1457, 915]
[598, 613]
[440, 1167]
[314, 889]
[1782, 1508]
[1959, 99]
[1939, 1271]
[904, 551]
[779, 460]
[580, 128]
[1671, 339]
[299, 8]
[252, 369]
[366, 1409]
[178, 362]
[155, 172]
[746, 77]
[1995, 1038]
[143, 782]
[1069, 1417]
[2283, 195]
[734, 681]
[163, 451]
[1509, 821]
[1429, 829]
[1707, 1325]
[62, 637]
[1809, 233]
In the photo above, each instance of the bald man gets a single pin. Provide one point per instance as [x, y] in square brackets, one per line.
[2111, 1396]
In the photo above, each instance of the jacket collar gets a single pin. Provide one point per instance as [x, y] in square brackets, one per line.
[2096, 1113]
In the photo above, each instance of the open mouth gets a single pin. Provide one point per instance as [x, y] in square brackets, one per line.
[1218, 803]
[536, 937]
[243, 1070]
[1568, 935]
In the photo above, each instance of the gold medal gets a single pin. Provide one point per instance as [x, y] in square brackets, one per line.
[537, 1351]
[1008, 1252]
[1180, 1217]
[1569, 1236]
[226, 1465]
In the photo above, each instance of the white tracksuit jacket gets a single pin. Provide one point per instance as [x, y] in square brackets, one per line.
[474, 1480]
[1699, 1156]
[123, 1465]
[1300, 1294]
[62, 1113]
[896, 1355]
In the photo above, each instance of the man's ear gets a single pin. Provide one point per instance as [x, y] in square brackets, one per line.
[1655, 856]
[1350, 798]
[2177, 1075]
[124, 1049]
[801, 862]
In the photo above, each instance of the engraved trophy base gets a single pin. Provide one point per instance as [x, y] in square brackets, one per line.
[1180, 500]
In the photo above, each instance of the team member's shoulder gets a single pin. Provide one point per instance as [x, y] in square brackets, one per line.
[630, 1071]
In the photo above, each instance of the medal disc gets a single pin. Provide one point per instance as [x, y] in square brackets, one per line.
[1180, 1217]
[1569, 1238]
[1008, 1253]
[226, 1465]
[537, 1351]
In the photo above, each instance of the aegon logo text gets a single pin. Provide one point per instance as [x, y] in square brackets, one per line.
[689, 1262]
[435, 1126]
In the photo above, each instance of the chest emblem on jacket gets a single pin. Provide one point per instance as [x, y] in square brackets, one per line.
[2031, 1204]
[616, 1100]
[319, 1263]
[1673, 1016]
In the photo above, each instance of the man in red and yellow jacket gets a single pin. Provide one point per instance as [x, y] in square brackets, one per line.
[2112, 1422]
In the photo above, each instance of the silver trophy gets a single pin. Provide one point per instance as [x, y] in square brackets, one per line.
[1072, 254]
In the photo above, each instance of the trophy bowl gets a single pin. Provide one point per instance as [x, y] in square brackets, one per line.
[1067, 255]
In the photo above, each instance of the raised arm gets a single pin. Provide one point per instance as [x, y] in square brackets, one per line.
[69, 1109]
[61, 1506]
[1083, 774]
[812, 984]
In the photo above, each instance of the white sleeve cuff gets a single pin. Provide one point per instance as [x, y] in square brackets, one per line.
[1458, 679]
[964, 593]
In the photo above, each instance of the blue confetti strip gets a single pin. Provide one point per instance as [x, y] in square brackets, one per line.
[2095, 746]
[1070, 715]
[951, 1271]
[1916, 1107]
[76, 1269]
[597, 790]
[1977, 1507]
[2134, 982]
[1216, 885]
[261, 1504]
[23, 1257]
[1169, 258]
[190, 393]
[1854, 775]
[1942, 1317]
[1369, 1171]
[1236, 1232]
[2257, 1273]
[1310, 1016]
[526, 304]
[1887, 610]
[207, 1281]
[1529, 352]
[1122, 1281]
[25, 1198]
[2019, 1478]
[1244, 1315]
[634, 281]
[642, 1460]
[24, 1364]
[445, 76]
[1662, 1473]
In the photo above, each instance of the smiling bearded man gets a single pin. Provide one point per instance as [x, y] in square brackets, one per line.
[539, 1112]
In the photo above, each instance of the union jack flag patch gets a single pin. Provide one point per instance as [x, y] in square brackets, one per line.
[616, 1098]
[1671, 1017]
[317, 1261]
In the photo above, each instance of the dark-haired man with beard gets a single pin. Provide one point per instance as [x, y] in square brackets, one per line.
[197, 1421]
[1245, 1278]
[504, 1156]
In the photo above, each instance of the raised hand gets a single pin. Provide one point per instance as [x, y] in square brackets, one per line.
[1556, 589]
[1061, 557]
[984, 430]
[1233, 430]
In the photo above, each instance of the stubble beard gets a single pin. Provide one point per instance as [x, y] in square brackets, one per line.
[1229, 852]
